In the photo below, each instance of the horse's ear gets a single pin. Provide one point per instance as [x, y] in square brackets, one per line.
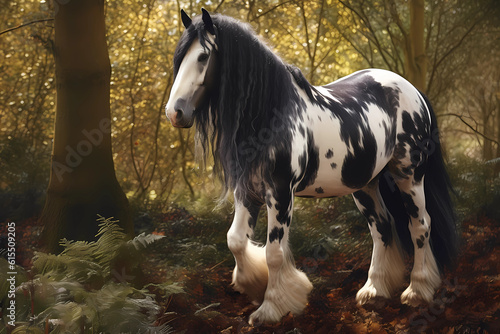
[207, 20]
[186, 20]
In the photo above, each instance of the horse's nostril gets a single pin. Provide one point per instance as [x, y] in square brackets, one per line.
[179, 107]
[178, 113]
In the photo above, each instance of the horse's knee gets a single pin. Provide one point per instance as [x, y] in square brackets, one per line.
[236, 242]
[274, 258]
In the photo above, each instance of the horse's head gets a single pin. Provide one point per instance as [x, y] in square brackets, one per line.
[195, 64]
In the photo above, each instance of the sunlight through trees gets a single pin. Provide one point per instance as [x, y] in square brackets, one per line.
[449, 49]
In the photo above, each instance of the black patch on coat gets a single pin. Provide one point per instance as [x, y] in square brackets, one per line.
[329, 154]
[252, 204]
[282, 176]
[359, 163]
[349, 106]
[419, 173]
[382, 220]
[333, 165]
[319, 190]
[302, 131]
[276, 234]
[369, 205]
[385, 229]
[309, 163]
[420, 241]
[416, 133]
[254, 215]
[410, 206]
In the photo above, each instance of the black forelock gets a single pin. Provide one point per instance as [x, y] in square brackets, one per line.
[188, 36]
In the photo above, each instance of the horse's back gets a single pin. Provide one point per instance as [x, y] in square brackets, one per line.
[354, 125]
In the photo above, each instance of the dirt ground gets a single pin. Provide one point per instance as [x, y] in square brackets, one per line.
[467, 302]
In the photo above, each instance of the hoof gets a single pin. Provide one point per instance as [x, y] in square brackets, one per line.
[369, 293]
[289, 295]
[267, 313]
[413, 298]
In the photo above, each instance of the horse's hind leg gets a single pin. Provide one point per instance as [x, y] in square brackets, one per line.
[250, 272]
[425, 276]
[386, 273]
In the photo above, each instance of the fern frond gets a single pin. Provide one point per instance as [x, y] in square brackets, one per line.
[111, 238]
[67, 267]
[81, 249]
[142, 241]
[26, 329]
[73, 291]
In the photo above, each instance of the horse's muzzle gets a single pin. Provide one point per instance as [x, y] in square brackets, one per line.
[182, 114]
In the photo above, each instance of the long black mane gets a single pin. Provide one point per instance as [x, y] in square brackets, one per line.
[254, 91]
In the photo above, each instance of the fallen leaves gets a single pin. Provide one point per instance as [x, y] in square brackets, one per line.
[467, 302]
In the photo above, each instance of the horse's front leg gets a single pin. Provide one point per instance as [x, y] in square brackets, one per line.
[250, 272]
[287, 287]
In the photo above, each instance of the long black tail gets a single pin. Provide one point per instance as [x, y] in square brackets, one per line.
[437, 186]
[439, 205]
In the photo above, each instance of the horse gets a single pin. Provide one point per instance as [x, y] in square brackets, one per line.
[274, 137]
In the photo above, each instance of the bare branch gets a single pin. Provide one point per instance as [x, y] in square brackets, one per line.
[218, 6]
[460, 117]
[271, 9]
[24, 25]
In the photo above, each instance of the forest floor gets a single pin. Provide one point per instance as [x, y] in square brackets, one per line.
[467, 302]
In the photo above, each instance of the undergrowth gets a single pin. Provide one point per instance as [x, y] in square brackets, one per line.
[90, 287]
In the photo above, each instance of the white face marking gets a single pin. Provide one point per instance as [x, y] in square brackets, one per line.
[189, 79]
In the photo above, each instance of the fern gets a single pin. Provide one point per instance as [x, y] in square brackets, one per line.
[142, 240]
[73, 292]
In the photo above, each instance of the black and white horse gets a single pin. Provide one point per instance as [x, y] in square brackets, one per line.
[274, 136]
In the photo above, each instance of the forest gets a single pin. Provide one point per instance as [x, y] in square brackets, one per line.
[111, 221]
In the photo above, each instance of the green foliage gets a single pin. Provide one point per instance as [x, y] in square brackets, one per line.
[23, 177]
[81, 291]
[477, 187]
[196, 236]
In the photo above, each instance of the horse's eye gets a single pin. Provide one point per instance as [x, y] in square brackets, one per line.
[203, 57]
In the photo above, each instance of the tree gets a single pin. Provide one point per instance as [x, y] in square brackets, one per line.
[415, 51]
[327, 39]
[416, 39]
[82, 181]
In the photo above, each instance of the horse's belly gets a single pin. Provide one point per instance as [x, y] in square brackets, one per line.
[326, 184]
[326, 176]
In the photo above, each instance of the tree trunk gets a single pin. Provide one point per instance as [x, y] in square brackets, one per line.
[497, 165]
[82, 183]
[497, 96]
[415, 57]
